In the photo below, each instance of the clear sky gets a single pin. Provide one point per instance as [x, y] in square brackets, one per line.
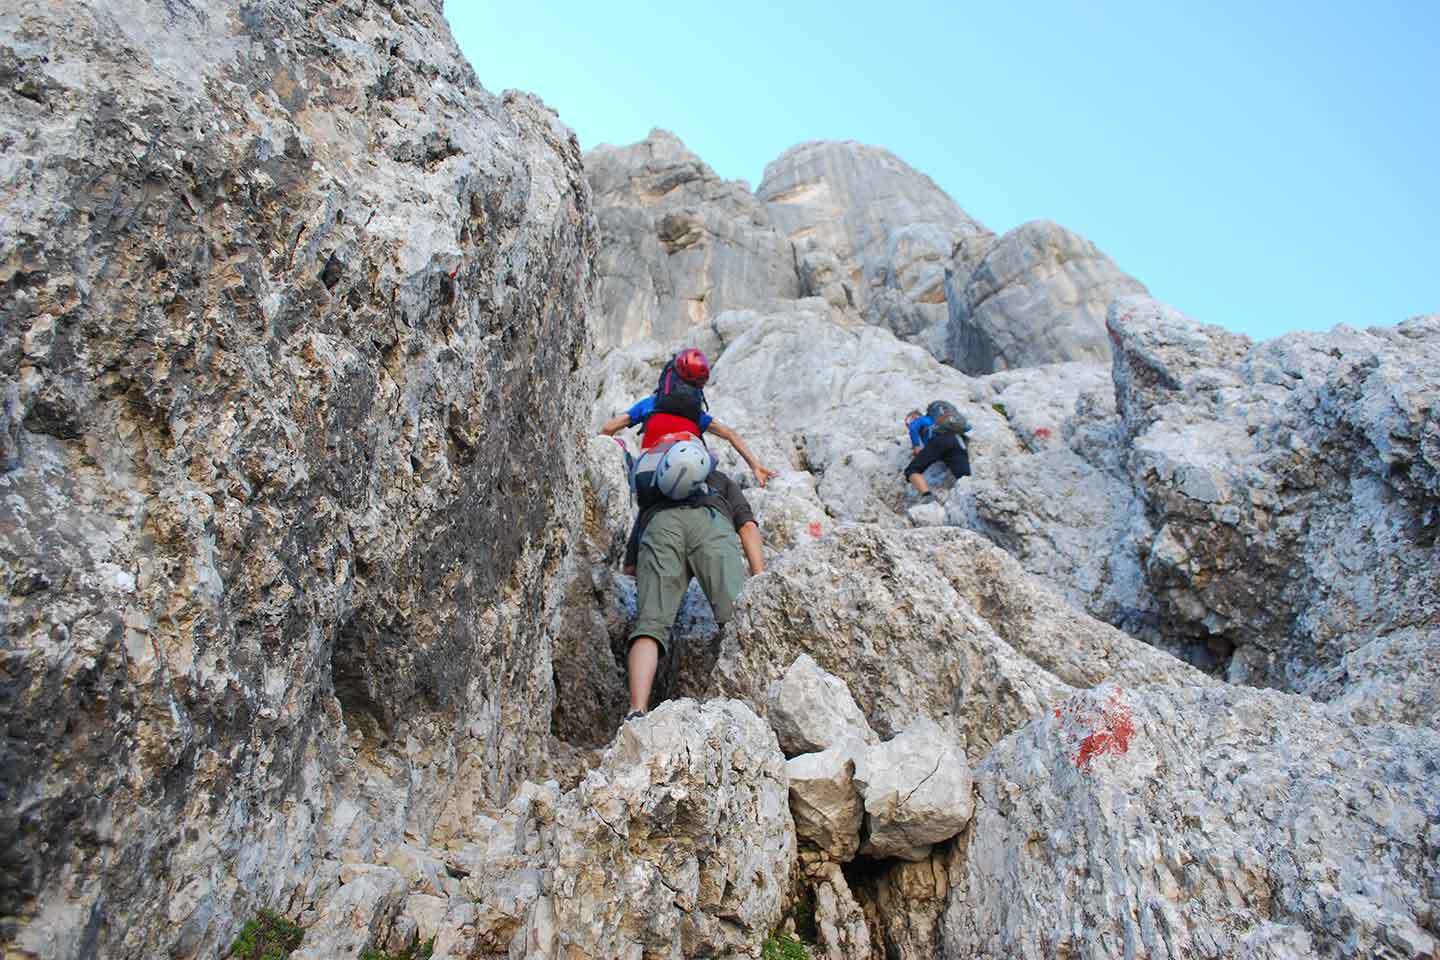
[1264, 166]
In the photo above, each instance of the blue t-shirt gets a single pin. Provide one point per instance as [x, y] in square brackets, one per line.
[922, 431]
[641, 411]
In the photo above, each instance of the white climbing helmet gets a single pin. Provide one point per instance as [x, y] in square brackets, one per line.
[683, 470]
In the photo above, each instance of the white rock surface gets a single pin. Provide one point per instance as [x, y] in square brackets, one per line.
[1040, 295]
[1200, 821]
[825, 800]
[812, 710]
[278, 566]
[917, 789]
[1292, 486]
[678, 244]
[935, 624]
[872, 233]
[679, 843]
[356, 915]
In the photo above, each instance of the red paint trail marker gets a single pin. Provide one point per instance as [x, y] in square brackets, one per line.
[815, 528]
[1112, 736]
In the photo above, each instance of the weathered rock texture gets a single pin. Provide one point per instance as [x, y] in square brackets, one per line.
[1040, 295]
[1293, 486]
[917, 792]
[927, 624]
[853, 226]
[678, 844]
[679, 245]
[303, 612]
[277, 279]
[1200, 821]
[872, 233]
[813, 710]
[825, 801]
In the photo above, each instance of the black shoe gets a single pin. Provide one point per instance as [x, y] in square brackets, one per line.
[634, 715]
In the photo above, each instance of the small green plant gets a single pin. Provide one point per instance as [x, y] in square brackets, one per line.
[1000, 409]
[268, 937]
[780, 945]
[416, 951]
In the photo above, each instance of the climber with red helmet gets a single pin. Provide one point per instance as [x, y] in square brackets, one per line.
[678, 406]
[690, 517]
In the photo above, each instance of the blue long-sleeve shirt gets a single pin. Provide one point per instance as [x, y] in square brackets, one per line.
[922, 431]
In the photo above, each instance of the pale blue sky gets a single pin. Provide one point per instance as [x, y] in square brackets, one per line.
[1266, 167]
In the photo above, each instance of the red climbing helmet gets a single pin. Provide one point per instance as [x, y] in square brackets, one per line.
[692, 366]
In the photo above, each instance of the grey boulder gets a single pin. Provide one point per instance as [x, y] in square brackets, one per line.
[1040, 295]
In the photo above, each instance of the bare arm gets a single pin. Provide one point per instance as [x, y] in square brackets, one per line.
[615, 425]
[762, 472]
[750, 543]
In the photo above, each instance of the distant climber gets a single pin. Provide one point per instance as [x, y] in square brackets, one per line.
[936, 435]
[678, 405]
[690, 516]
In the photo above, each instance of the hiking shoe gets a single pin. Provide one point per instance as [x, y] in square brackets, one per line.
[634, 715]
[925, 498]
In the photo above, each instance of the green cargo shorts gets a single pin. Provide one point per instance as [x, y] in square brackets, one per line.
[677, 544]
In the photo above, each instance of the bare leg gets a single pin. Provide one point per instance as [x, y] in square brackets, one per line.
[917, 480]
[643, 659]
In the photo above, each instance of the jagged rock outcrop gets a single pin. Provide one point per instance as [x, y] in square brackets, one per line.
[1294, 486]
[1199, 821]
[277, 282]
[1040, 295]
[851, 225]
[678, 244]
[872, 230]
[678, 844]
[812, 710]
[916, 787]
[936, 624]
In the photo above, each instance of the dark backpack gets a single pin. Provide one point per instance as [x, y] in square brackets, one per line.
[674, 396]
[946, 418]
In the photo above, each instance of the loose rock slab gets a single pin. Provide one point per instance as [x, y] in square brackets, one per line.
[917, 789]
[826, 802]
[812, 709]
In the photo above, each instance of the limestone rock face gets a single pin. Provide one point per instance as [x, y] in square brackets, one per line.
[1294, 490]
[810, 710]
[684, 832]
[355, 915]
[678, 844]
[596, 604]
[934, 624]
[840, 928]
[826, 804]
[1040, 295]
[277, 278]
[917, 791]
[1188, 821]
[872, 233]
[679, 245]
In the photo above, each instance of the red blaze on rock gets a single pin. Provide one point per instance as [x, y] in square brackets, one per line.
[815, 528]
[1113, 736]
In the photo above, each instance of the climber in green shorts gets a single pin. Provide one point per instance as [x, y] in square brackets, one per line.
[671, 542]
